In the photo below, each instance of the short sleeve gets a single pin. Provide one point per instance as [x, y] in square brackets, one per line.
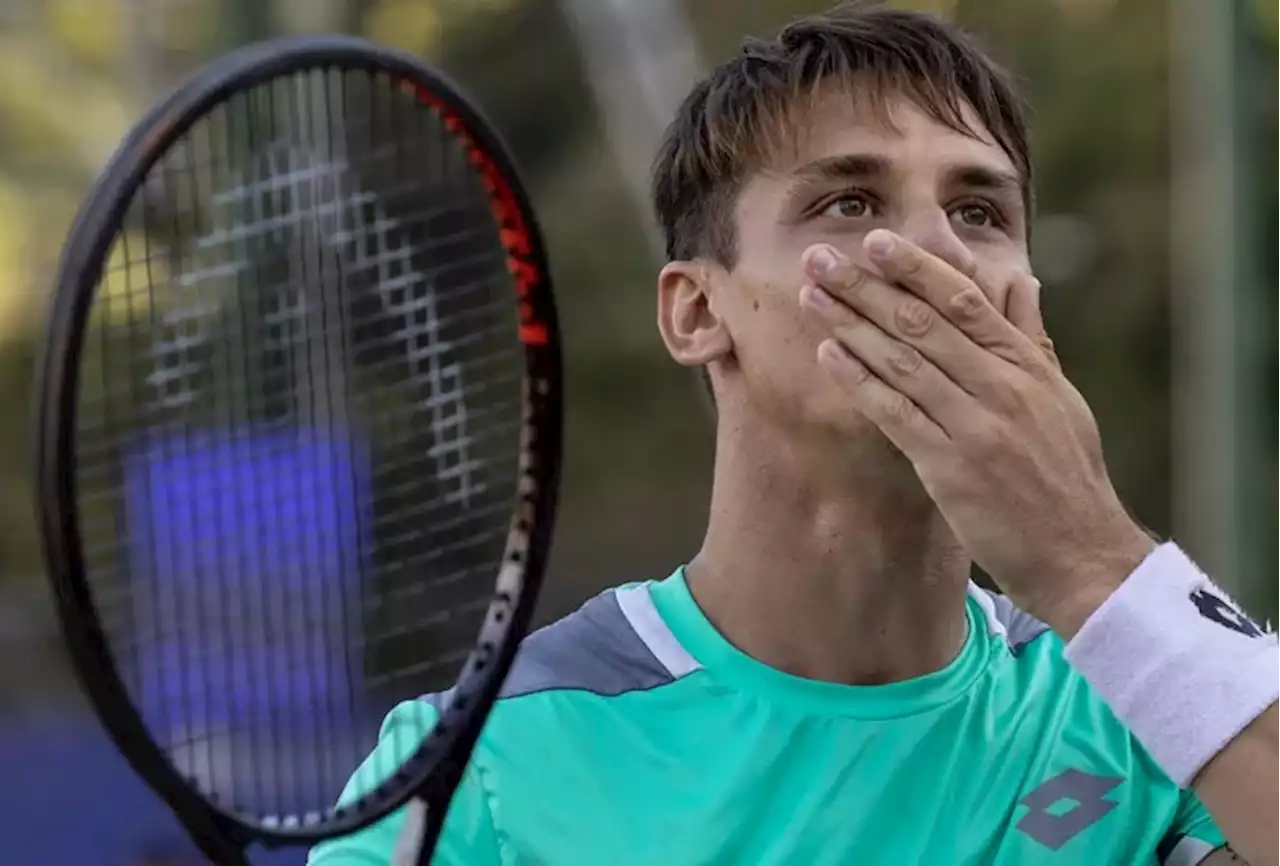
[468, 836]
[1192, 836]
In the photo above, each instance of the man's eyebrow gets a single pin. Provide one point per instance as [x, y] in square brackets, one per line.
[823, 172]
[985, 177]
[850, 166]
[854, 166]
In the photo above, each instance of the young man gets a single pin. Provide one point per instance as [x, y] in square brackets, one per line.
[846, 213]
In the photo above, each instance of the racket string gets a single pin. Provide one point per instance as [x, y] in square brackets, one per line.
[298, 439]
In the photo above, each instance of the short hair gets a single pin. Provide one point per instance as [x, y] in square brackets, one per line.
[733, 120]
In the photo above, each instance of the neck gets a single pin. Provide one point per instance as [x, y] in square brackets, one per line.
[844, 573]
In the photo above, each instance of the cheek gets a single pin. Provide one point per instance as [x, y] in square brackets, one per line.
[778, 320]
[775, 340]
[768, 285]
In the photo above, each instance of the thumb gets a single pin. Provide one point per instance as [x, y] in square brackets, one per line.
[1023, 310]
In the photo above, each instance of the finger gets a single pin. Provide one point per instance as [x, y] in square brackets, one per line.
[948, 291]
[896, 363]
[962, 259]
[896, 312]
[1025, 314]
[976, 369]
[910, 320]
[899, 419]
[833, 270]
[1023, 305]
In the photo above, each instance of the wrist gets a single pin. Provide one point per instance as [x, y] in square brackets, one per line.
[1177, 661]
[1086, 580]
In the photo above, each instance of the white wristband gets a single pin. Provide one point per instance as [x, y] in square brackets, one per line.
[1177, 662]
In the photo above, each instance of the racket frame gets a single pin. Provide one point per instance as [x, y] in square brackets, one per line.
[436, 768]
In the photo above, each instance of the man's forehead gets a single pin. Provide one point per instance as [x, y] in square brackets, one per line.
[895, 130]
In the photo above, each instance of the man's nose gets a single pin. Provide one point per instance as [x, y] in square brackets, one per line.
[932, 232]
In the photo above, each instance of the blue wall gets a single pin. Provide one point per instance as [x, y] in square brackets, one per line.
[68, 799]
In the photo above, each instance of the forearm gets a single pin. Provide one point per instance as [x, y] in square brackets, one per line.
[1238, 787]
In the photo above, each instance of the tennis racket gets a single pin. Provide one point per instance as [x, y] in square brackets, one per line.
[298, 438]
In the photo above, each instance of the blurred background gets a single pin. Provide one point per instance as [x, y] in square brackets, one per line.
[1154, 138]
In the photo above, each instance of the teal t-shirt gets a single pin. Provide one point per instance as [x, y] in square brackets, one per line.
[631, 733]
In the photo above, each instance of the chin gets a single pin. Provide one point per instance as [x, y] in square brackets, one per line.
[823, 426]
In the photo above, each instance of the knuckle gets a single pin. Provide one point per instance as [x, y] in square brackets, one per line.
[1006, 394]
[1026, 359]
[1012, 401]
[914, 317]
[968, 305]
[852, 280]
[1043, 364]
[988, 439]
[899, 408]
[905, 360]
[1043, 368]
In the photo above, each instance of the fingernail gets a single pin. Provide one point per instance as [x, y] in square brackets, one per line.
[822, 261]
[879, 244]
[816, 297]
[831, 352]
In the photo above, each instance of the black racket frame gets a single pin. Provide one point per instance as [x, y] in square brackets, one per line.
[435, 770]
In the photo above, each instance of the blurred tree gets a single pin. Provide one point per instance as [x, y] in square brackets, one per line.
[72, 77]
[1266, 33]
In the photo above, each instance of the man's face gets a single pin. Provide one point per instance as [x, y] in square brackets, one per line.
[845, 174]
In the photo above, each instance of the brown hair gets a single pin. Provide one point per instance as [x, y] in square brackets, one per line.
[734, 119]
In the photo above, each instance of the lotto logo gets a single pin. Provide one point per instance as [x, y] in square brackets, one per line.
[1065, 805]
[1216, 609]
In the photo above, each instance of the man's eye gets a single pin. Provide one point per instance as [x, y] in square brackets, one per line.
[978, 216]
[848, 207]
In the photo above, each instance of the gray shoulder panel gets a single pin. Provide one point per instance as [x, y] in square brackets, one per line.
[593, 649]
[1016, 626]
[437, 700]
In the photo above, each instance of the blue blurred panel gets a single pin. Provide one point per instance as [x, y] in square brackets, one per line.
[248, 547]
[67, 798]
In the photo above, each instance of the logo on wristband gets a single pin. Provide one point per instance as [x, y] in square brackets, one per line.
[1217, 609]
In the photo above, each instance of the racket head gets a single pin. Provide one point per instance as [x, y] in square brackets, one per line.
[434, 765]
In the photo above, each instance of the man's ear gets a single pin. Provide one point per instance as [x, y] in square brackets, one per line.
[688, 316]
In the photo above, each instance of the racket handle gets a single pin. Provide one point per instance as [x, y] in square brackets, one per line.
[418, 835]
